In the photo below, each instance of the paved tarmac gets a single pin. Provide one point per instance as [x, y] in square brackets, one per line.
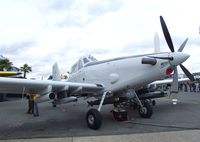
[68, 121]
[178, 136]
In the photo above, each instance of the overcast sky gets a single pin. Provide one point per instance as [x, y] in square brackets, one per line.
[42, 32]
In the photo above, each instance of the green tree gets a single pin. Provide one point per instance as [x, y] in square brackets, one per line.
[5, 64]
[25, 69]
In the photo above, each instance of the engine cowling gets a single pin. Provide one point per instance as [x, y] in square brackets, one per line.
[47, 97]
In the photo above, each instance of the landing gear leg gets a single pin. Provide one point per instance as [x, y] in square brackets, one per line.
[93, 117]
[145, 109]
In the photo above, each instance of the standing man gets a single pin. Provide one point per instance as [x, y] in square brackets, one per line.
[30, 104]
[36, 110]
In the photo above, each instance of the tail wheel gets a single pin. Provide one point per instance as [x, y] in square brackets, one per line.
[94, 119]
[146, 111]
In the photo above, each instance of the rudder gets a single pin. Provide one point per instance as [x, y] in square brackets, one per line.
[55, 73]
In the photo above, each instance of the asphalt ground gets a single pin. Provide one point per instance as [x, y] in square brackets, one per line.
[68, 120]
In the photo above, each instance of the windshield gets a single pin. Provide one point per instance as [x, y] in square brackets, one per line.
[82, 62]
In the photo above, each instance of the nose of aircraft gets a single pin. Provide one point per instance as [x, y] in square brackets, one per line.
[178, 58]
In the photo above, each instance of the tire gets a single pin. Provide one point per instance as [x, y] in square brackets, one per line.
[94, 119]
[146, 111]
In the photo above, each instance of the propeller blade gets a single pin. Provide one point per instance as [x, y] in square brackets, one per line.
[187, 73]
[174, 88]
[182, 45]
[166, 34]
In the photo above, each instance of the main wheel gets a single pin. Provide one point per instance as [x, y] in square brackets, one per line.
[146, 111]
[94, 119]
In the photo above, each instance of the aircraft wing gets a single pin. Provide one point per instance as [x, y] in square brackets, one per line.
[154, 92]
[22, 86]
[9, 73]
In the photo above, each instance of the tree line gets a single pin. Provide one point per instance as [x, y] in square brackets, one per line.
[6, 65]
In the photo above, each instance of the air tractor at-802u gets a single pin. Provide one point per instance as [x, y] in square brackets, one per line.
[112, 81]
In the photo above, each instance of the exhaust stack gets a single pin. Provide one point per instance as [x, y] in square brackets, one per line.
[150, 61]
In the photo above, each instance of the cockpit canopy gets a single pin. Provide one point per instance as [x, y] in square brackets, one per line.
[82, 62]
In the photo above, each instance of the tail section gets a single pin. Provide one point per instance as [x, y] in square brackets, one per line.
[55, 73]
[156, 43]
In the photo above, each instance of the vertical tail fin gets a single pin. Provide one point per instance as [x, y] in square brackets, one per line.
[55, 73]
[156, 43]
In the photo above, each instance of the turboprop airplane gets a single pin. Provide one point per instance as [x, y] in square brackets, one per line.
[111, 81]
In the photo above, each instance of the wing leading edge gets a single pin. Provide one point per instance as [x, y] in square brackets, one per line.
[17, 86]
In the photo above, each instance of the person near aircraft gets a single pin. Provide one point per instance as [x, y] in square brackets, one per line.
[36, 110]
[30, 104]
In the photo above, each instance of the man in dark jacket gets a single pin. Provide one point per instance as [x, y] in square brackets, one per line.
[30, 104]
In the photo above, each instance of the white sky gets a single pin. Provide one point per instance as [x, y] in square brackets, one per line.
[41, 32]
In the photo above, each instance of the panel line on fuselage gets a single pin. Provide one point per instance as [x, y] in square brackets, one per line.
[120, 58]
